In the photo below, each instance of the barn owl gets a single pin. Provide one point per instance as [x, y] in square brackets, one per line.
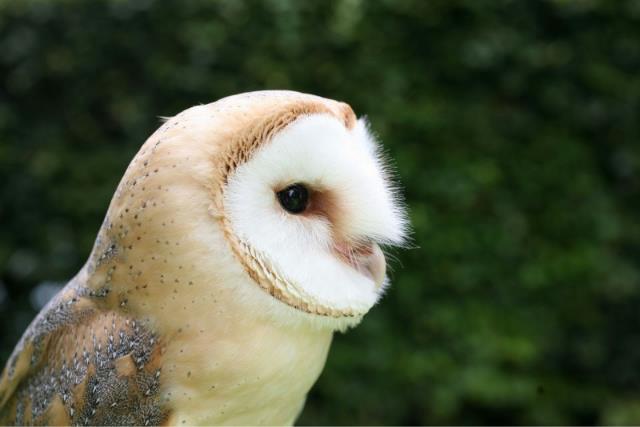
[242, 235]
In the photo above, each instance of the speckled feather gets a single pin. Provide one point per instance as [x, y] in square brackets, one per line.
[80, 363]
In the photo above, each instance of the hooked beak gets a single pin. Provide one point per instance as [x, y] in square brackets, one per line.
[367, 259]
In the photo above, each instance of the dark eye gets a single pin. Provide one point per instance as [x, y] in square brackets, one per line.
[294, 198]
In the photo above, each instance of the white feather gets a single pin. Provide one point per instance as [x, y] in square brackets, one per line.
[319, 151]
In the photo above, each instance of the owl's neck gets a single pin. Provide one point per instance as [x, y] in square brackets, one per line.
[242, 371]
[232, 354]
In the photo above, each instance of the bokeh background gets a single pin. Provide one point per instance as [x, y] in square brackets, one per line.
[514, 126]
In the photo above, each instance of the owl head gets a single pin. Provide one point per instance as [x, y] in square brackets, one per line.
[282, 199]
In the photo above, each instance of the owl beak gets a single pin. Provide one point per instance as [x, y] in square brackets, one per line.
[367, 258]
[374, 264]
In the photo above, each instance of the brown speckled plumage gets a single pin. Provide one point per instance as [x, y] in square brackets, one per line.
[80, 363]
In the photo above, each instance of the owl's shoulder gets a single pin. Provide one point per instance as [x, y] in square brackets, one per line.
[83, 362]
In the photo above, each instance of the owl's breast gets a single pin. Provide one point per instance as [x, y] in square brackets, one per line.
[249, 373]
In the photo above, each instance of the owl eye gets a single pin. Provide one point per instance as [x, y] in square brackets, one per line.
[294, 199]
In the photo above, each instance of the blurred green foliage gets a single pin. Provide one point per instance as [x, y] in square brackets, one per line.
[514, 126]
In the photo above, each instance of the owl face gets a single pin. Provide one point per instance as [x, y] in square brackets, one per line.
[308, 211]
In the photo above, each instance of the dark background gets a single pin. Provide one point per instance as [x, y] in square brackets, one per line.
[514, 126]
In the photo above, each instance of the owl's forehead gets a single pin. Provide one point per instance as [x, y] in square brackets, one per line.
[288, 104]
[258, 117]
